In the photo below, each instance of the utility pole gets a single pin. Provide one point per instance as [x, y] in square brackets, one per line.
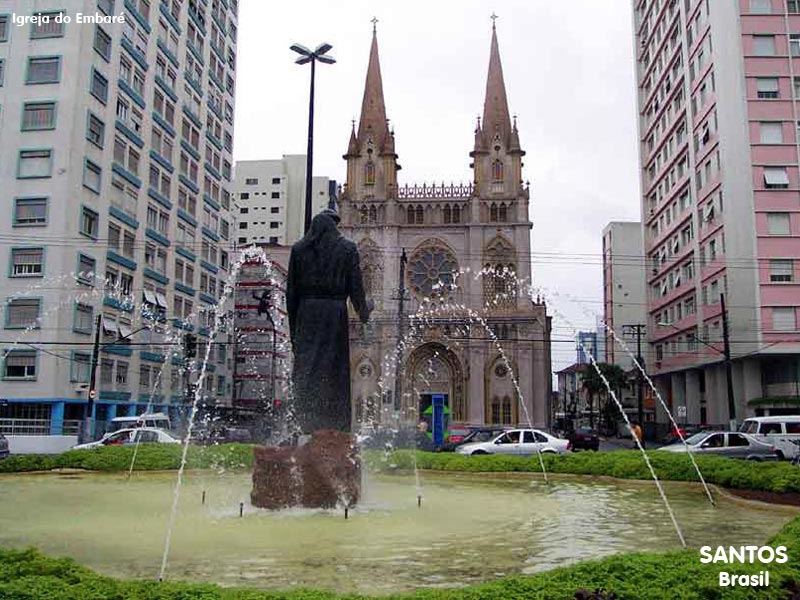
[728, 366]
[638, 329]
[189, 353]
[400, 319]
[86, 430]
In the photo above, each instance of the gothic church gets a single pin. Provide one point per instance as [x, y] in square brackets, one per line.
[444, 229]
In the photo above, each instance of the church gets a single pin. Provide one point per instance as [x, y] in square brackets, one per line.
[485, 346]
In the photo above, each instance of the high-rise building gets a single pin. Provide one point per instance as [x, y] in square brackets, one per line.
[484, 224]
[116, 167]
[718, 101]
[624, 296]
[271, 199]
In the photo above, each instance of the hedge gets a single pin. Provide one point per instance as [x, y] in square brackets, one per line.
[776, 477]
[30, 575]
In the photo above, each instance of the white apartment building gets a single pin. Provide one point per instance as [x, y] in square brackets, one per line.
[115, 169]
[271, 196]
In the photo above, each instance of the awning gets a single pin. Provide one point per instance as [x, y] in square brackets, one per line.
[161, 299]
[124, 330]
[776, 177]
[150, 297]
[110, 326]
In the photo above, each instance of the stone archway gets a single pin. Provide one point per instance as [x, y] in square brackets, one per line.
[432, 367]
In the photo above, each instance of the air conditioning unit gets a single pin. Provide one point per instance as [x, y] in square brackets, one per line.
[81, 388]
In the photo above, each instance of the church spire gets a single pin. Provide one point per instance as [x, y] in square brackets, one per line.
[373, 108]
[496, 118]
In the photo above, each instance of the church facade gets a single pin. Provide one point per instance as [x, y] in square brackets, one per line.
[485, 342]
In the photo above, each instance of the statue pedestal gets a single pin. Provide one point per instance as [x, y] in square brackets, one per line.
[323, 473]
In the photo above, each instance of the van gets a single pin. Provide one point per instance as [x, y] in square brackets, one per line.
[157, 420]
[783, 432]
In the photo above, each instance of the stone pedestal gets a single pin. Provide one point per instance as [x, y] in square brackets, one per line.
[323, 473]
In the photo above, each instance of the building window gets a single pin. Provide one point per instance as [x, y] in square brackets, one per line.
[784, 318]
[793, 7]
[760, 7]
[767, 88]
[99, 86]
[251, 181]
[27, 262]
[44, 69]
[2, 70]
[80, 367]
[776, 178]
[92, 176]
[22, 313]
[95, 131]
[794, 44]
[90, 222]
[275, 195]
[497, 171]
[20, 364]
[369, 173]
[764, 45]
[38, 115]
[84, 318]
[274, 225]
[3, 28]
[781, 271]
[276, 181]
[102, 42]
[771, 133]
[30, 212]
[47, 26]
[779, 224]
[86, 269]
[34, 164]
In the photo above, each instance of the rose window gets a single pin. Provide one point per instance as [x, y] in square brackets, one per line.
[431, 271]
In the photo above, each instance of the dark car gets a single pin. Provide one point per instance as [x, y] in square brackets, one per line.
[584, 438]
[471, 435]
[4, 451]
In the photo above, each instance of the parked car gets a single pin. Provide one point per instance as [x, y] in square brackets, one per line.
[471, 435]
[144, 435]
[521, 442]
[783, 432]
[726, 443]
[584, 438]
[4, 451]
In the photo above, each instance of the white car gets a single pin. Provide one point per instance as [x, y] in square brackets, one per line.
[144, 435]
[520, 442]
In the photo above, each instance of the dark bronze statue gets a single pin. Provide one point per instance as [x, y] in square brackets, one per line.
[324, 272]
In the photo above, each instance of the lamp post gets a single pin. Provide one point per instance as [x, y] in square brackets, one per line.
[309, 56]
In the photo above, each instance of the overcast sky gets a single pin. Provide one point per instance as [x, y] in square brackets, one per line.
[569, 74]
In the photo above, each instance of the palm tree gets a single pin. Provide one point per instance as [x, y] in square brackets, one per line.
[595, 387]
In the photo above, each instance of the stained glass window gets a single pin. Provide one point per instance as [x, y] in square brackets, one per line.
[431, 266]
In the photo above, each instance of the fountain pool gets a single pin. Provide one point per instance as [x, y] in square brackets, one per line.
[470, 528]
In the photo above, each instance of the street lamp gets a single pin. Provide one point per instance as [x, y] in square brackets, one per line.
[307, 56]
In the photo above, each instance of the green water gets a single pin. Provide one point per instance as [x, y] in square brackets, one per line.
[469, 529]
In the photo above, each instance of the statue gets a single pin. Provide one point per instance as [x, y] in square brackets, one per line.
[324, 272]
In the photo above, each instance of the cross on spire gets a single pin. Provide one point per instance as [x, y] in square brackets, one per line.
[494, 18]
[374, 22]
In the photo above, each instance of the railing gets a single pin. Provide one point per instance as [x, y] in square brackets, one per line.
[407, 192]
[37, 427]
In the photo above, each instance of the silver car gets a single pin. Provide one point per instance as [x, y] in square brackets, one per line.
[520, 442]
[725, 443]
[124, 437]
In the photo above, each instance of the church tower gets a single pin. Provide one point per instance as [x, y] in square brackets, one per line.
[371, 158]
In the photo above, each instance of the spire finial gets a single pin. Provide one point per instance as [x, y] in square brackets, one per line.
[374, 22]
[494, 18]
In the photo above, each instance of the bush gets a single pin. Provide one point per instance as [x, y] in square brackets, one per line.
[776, 477]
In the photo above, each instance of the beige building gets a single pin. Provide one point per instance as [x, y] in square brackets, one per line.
[444, 229]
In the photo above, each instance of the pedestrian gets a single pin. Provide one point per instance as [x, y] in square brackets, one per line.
[637, 434]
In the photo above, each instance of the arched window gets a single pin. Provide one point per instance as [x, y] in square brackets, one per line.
[502, 413]
[456, 213]
[369, 173]
[493, 212]
[373, 214]
[410, 215]
[502, 213]
[420, 214]
[363, 215]
[447, 214]
[497, 171]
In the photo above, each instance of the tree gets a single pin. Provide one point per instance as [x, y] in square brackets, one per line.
[595, 387]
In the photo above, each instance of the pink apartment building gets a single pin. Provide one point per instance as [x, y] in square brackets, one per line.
[719, 101]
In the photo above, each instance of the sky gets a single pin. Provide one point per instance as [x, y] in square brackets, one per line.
[569, 74]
